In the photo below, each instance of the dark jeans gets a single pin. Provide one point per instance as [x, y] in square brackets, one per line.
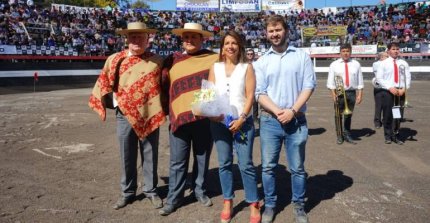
[198, 136]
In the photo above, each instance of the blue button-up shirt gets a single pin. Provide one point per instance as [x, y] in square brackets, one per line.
[283, 76]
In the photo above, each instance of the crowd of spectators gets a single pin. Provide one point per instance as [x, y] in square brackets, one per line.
[92, 32]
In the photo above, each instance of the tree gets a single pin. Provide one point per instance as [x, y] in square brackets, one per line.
[139, 4]
[84, 3]
[103, 3]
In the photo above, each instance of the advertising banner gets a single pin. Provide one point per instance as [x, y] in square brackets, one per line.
[425, 48]
[8, 49]
[71, 8]
[364, 49]
[287, 5]
[325, 31]
[410, 48]
[197, 5]
[356, 49]
[240, 5]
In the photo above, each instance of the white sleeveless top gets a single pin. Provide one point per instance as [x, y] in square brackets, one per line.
[234, 86]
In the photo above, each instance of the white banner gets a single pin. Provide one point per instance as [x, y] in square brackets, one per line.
[240, 5]
[324, 50]
[8, 49]
[356, 49]
[365, 49]
[70, 8]
[287, 5]
[197, 5]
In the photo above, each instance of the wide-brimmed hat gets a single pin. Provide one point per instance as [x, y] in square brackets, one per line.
[136, 27]
[192, 28]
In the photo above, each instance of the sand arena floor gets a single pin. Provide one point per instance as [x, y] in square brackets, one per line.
[60, 163]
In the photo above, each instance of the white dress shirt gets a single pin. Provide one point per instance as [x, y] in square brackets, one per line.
[337, 67]
[385, 74]
[375, 66]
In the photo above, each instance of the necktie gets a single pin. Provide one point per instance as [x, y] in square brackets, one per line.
[396, 72]
[346, 74]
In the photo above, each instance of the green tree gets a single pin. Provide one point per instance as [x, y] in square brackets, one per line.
[139, 4]
[84, 3]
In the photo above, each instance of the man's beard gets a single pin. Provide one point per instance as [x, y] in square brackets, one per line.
[281, 42]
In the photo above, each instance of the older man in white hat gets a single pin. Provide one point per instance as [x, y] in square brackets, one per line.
[138, 110]
[182, 76]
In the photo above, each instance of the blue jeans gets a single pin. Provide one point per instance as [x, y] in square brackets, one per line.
[225, 144]
[294, 135]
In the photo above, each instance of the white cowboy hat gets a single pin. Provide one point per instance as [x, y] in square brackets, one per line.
[136, 27]
[192, 28]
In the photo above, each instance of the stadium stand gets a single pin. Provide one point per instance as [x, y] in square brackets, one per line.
[73, 31]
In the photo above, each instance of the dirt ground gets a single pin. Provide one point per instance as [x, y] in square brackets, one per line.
[60, 163]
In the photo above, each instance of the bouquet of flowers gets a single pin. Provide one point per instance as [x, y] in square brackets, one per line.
[208, 102]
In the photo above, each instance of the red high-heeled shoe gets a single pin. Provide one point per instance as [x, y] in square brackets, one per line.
[226, 216]
[255, 219]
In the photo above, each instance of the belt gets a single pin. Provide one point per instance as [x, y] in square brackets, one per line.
[264, 112]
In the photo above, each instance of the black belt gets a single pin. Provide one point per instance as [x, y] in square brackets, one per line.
[264, 112]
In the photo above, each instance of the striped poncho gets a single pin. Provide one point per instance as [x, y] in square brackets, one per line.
[138, 93]
[182, 77]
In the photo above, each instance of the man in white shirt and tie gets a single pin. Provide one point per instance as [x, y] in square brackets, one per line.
[377, 91]
[352, 80]
[394, 76]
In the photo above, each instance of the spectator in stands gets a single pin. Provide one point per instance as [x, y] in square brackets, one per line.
[187, 131]
[94, 22]
[250, 58]
[133, 68]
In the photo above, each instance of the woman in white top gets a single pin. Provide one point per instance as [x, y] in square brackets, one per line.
[235, 77]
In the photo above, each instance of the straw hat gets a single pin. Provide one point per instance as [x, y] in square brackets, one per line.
[136, 27]
[193, 28]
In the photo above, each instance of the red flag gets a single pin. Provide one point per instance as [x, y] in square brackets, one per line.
[36, 77]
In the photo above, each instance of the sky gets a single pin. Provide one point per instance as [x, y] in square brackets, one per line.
[171, 4]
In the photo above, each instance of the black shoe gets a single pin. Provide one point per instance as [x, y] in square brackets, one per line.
[167, 209]
[397, 141]
[155, 201]
[268, 215]
[122, 202]
[339, 140]
[348, 139]
[387, 141]
[378, 125]
[204, 200]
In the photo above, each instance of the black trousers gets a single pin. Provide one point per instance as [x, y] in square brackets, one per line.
[378, 106]
[347, 119]
[391, 126]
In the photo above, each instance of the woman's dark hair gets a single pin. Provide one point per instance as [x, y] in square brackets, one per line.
[240, 43]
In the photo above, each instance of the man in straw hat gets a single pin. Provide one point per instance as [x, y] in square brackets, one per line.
[133, 76]
[182, 76]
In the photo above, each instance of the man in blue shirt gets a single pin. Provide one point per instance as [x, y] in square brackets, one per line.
[285, 82]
